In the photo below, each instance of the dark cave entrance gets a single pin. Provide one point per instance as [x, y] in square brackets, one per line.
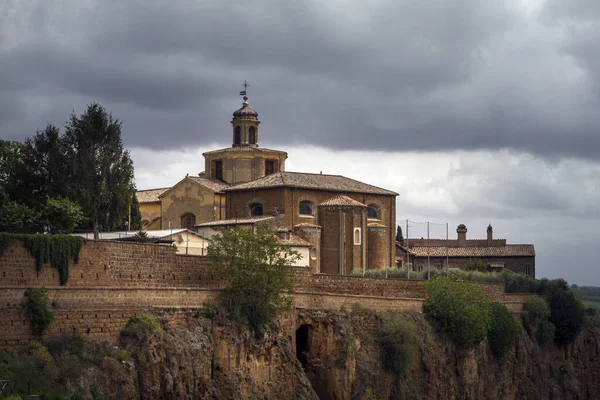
[303, 336]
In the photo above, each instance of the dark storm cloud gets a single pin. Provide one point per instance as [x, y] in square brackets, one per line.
[390, 75]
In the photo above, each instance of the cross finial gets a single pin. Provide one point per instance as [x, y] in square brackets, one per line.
[243, 92]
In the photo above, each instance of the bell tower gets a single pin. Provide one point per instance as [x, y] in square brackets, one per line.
[245, 124]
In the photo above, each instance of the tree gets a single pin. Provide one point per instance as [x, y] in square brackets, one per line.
[18, 218]
[102, 171]
[460, 307]
[504, 330]
[135, 214]
[399, 236]
[397, 339]
[62, 215]
[260, 274]
[11, 162]
[567, 313]
[475, 265]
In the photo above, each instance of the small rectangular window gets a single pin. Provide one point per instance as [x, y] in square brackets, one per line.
[357, 236]
[219, 170]
[528, 270]
[269, 167]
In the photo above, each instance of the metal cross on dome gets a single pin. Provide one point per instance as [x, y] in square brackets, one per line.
[245, 85]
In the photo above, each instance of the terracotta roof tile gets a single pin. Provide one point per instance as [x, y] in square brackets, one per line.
[341, 201]
[306, 225]
[212, 184]
[245, 149]
[294, 241]
[149, 195]
[335, 183]
[235, 221]
[473, 251]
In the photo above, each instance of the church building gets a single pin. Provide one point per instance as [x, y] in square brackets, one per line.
[346, 225]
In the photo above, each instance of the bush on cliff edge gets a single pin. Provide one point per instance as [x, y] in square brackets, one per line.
[461, 308]
[504, 330]
[260, 273]
[37, 309]
[398, 342]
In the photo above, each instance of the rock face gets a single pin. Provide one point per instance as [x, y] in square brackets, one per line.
[333, 355]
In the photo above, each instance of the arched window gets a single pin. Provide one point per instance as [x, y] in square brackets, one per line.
[306, 208]
[237, 135]
[252, 133]
[188, 220]
[357, 240]
[373, 212]
[256, 209]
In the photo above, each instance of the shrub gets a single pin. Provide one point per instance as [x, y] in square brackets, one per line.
[37, 309]
[139, 325]
[566, 313]
[504, 330]
[209, 312]
[475, 265]
[460, 307]
[398, 342]
[535, 310]
[545, 332]
[260, 273]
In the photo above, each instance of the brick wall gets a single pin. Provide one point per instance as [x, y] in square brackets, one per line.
[115, 280]
[112, 264]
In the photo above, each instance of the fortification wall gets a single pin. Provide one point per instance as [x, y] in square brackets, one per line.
[114, 281]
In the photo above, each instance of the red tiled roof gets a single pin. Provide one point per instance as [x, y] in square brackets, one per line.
[149, 195]
[212, 184]
[245, 149]
[336, 183]
[523, 250]
[341, 201]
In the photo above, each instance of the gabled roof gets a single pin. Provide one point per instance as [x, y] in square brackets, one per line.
[510, 250]
[341, 201]
[149, 195]
[211, 184]
[336, 183]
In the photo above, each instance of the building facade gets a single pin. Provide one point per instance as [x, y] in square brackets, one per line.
[496, 254]
[348, 225]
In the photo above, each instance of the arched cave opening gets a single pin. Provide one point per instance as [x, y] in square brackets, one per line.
[303, 334]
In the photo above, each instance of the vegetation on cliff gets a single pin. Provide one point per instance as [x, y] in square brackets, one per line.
[38, 310]
[504, 330]
[67, 368]
[397, 339]
[459, 307]
[259, 271]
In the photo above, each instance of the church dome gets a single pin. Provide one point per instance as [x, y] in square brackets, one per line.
[245, 112]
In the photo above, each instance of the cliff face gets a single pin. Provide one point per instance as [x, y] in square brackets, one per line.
[333, 355]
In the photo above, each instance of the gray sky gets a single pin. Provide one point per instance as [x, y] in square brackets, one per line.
[474, 111]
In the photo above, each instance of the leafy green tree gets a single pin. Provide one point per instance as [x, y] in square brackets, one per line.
[535, 310]
[399, 236]
[461, 308]
[102, 171]
[11, 163]
[62, 215]
[567, 314]
[135, 213]
[504, 330]
[45, 174]
[18, 218]
[260, 274]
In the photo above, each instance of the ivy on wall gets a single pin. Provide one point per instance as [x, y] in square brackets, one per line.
[56, 250]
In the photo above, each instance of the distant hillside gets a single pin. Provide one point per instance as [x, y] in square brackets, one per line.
[590, 295]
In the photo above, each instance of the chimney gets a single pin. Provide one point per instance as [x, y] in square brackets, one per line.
[490, 235]
[461, 230]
